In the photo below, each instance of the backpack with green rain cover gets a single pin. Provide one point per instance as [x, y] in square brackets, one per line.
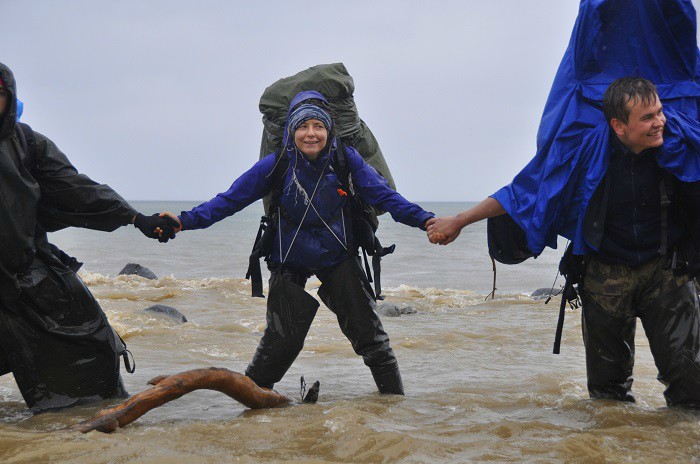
[336, 85]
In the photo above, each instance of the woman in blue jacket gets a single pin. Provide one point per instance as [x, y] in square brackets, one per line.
[313, 236]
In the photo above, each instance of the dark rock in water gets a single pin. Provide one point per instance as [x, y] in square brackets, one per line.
[137, 269]
[167, 311]
[395, 310]
[543, 293]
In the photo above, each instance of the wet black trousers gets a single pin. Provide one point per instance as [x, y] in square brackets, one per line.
[290, 311]
[57, 342]
[613, 297]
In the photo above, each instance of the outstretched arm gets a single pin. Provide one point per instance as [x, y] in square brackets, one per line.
[69, 198]
[252, 185]
[375, 190]
[444, 230]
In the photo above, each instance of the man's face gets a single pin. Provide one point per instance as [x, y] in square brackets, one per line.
[645, 127]
[4, 100]
[311, 137]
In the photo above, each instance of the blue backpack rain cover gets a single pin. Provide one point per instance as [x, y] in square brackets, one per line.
[654, 39]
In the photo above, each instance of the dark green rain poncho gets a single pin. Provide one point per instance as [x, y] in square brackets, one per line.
[54, 337]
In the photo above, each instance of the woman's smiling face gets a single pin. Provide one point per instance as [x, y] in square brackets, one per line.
[311, 138]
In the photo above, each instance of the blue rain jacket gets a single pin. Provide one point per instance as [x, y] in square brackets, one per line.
[655, 39]
[314, 246]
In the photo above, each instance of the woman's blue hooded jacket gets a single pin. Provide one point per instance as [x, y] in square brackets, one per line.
[655, 39]
[310, 236]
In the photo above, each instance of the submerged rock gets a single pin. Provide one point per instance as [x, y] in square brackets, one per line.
[167, 311]
[543, 293]
[137, 269]
[395, 310]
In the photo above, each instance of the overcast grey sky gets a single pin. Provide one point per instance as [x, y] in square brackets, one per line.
[159, 99]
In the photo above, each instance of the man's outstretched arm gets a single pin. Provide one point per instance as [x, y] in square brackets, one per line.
[444, 230]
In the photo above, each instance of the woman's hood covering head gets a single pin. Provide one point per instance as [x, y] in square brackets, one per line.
[295, 116]
[655, 39]
[9, 118]
[306, 112]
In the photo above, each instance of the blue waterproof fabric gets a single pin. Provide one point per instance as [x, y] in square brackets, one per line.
[655, 39]
[314, 247]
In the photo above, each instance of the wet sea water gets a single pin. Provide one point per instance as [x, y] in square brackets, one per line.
[481, 382]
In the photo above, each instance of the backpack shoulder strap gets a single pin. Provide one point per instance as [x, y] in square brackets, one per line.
[340, 164]
[365, 233]
[278, 172]
[262, 243]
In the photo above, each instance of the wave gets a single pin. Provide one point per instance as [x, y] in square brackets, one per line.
[221, 294]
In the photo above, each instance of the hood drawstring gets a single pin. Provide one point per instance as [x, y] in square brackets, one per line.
[308, 200]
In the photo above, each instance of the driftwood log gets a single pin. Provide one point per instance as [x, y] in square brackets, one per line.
[168, 388]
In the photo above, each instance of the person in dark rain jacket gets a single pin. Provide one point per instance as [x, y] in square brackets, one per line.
[313, 237]
[54, 337]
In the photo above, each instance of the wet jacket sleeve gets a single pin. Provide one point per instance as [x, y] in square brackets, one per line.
[375, 190]
[251, 186]
[69, 198]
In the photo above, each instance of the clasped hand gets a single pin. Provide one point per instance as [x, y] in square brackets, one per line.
[161, 227]
[443, 230]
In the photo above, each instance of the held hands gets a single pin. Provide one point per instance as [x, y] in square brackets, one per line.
[174, 220]
[446, 229]
[443, 230]
[160, 227]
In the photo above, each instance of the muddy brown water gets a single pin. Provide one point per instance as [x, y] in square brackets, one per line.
[481, 382]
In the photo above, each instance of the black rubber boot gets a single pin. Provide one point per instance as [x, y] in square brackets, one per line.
[290, 311]
[347, 293]
[672, 325]
[609, 342]
[388, 379]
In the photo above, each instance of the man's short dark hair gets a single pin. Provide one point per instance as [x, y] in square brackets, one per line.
[623, 90]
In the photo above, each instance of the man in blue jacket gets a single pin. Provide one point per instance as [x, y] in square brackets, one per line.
[623, 185]
[643, 223]
[313, 236]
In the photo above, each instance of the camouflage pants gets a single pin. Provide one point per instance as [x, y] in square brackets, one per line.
[613, 297]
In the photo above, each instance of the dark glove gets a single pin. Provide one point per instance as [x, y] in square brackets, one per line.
[169, 229]
[148, 225]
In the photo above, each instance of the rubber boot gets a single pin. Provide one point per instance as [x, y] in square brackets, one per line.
[609, 342]
[290, 311]
[346, 291]
[672, 325]
[388, 379]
